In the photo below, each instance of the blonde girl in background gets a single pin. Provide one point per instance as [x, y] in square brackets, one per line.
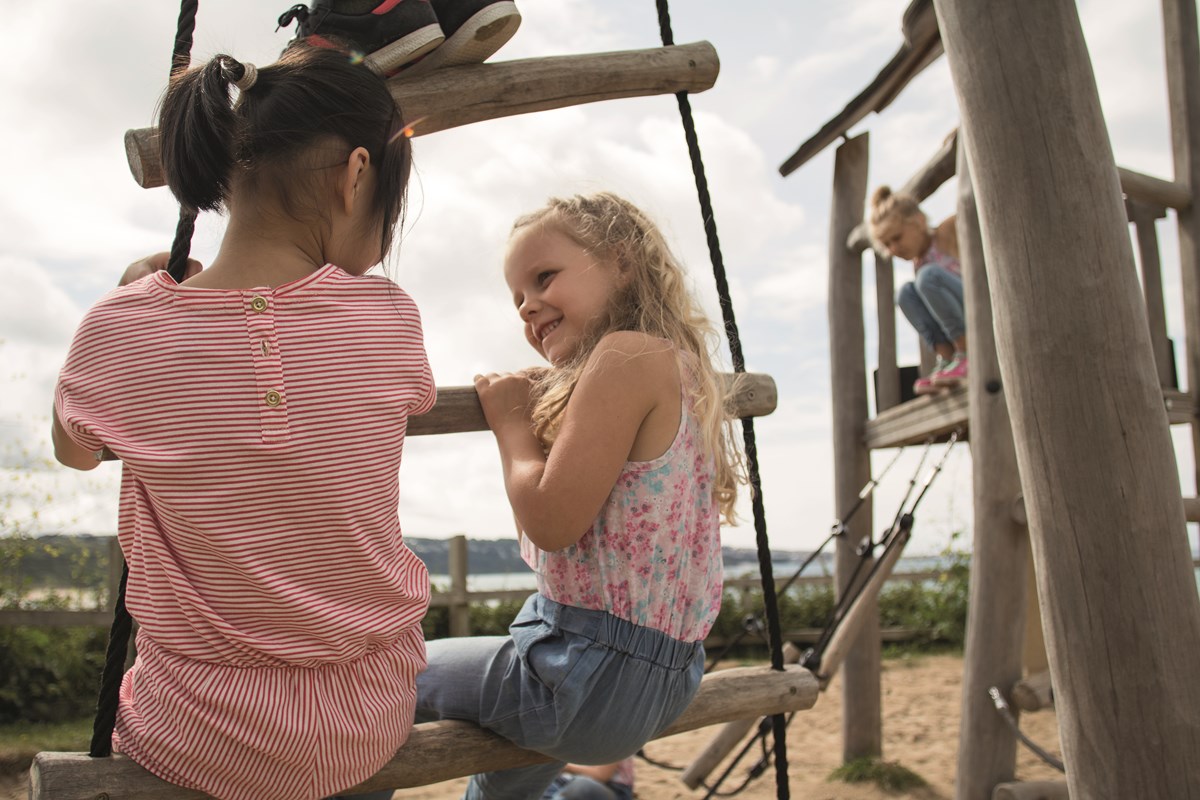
[618, 465]
[933, 301]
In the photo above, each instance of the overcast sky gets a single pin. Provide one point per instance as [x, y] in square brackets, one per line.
[71, 218]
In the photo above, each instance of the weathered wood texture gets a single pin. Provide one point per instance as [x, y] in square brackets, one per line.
[915, 421]
[436, 751]
[462, 95]
[1033, 693]
[920, 49]
[1095, 453]
[1182, 50]
[1033, 790]
[987, 749]
[862, 723]
[730, 736]
[1143, 216]
[887, 381]
[1154, 191]
[457, 409]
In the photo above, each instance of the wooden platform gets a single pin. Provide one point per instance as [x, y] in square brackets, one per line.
[915, 421]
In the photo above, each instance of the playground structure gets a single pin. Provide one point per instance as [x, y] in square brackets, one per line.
[1069, 399]
[1090, 437]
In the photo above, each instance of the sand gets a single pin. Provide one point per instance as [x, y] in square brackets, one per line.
[921, 708]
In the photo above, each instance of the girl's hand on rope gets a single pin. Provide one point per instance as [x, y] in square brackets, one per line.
[150, 264]
[505, 398]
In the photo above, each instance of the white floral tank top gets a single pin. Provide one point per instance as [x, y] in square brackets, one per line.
[653, 554]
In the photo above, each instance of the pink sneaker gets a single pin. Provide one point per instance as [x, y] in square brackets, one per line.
[925, 386]
[952, 374]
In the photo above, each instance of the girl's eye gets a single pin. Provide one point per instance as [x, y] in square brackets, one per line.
[544, 277]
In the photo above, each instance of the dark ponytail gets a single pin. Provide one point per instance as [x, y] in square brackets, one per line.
[199, 129]
[311, 98]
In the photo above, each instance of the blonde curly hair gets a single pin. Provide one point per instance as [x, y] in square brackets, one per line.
[655, 301]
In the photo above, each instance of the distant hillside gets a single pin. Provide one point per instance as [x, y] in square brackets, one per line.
[66, 560]
[503, 555]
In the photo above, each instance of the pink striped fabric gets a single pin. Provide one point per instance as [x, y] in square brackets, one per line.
[279, 610]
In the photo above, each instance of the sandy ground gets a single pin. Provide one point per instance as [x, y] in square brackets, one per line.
[921, 698]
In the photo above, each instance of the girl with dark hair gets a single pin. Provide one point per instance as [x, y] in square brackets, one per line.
[259, 409]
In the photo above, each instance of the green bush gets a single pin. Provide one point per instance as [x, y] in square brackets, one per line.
[49, 675]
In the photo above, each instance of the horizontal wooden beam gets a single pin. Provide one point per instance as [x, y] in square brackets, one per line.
[436, 751]
[922, 46]
[456, 96]
[1031, 790]
[913, 422]
[458, 411]
[1153, 190]
[54, 618]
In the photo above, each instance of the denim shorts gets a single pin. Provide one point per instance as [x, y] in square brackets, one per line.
[576, 684]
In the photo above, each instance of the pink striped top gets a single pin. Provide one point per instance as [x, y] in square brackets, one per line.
[279, 609]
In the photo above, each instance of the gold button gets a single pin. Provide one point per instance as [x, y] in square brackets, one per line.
[259, 303]
[274, 398]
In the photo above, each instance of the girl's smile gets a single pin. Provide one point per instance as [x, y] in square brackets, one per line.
[559, 289]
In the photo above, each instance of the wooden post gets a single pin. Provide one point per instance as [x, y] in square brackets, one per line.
[1182, 50]
[1097, 468]
[862, 723]
[1143, 216]
[460, 606]
[996, 614]
[887, 389]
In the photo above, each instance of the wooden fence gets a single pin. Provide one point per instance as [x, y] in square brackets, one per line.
[457, 598]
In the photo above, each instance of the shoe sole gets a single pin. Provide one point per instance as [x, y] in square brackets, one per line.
[475, 42]
[391, 57]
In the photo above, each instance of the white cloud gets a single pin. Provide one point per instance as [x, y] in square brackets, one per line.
[71, 217]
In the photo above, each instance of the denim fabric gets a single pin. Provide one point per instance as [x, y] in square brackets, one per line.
[933, 304]
[581, 787]
[575, 684]
[383, 794]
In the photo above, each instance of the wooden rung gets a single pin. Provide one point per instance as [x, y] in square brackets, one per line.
[436, 751]
[457, 96]
[1033, 693]
[1031, 790]
[457, 409]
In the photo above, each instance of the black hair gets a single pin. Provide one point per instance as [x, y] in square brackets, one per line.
[310, 97]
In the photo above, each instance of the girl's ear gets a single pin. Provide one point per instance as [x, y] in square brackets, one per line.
[352, 178]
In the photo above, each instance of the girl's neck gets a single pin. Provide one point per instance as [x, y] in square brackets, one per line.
[256, 253]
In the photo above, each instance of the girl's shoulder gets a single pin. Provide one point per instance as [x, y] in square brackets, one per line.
[945, 236]
[633, 355]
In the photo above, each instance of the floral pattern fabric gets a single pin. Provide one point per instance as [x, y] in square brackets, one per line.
[653, 554]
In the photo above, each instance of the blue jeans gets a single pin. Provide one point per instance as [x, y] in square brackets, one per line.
[578, 685]
[581, 787]
[933, 304]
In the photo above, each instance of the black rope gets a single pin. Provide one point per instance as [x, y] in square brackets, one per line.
[181, 56]
[122, 626]
[774, 632]
[1006, 713]
[838, 529]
